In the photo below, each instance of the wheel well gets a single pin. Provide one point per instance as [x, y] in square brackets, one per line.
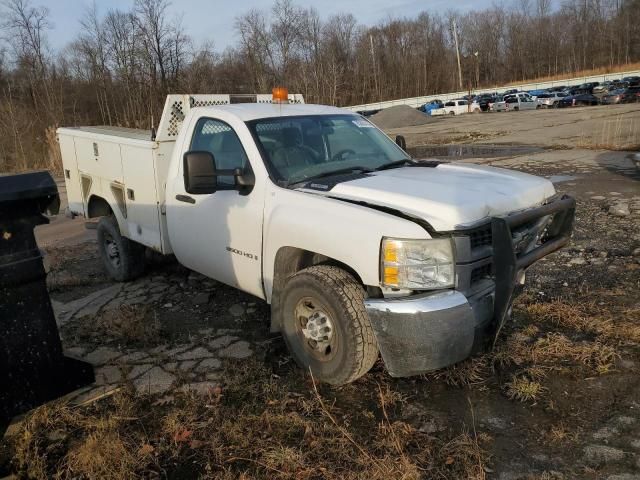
[288, 262]
[98, 207]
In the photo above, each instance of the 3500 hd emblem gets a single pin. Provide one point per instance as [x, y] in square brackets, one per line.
[244, 254]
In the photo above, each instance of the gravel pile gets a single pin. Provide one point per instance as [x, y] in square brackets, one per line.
[400, 116]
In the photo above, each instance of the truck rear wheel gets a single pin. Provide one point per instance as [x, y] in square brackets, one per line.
[122, 258]
[325, 324]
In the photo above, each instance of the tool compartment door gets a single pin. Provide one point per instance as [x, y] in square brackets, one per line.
[143, 210]
[75, 198]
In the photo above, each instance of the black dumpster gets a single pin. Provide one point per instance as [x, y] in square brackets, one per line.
[33, 369]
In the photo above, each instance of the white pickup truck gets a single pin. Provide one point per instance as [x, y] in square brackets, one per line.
[358, 248]
[453, 107]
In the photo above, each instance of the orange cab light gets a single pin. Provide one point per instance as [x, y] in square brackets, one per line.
[280, 95]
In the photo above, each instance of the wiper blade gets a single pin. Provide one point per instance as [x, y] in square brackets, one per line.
[334, 172]
[397, 163]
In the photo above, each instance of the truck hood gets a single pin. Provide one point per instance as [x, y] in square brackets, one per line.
[449, 196]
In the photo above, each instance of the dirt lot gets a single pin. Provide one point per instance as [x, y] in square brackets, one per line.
[191, 384]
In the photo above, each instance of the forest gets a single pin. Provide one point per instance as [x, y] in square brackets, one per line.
[122, 63]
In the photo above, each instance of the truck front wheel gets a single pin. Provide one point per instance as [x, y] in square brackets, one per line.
[325, 325]
[122, 258]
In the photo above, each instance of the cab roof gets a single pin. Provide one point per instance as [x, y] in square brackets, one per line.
[254, 111]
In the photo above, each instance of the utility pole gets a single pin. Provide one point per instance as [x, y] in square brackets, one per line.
[375, 70]
[455, 37]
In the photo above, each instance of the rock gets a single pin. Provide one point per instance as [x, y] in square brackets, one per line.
[605, 433]
[196, 353]
[89, 305]
[577, 261]
[154, 381]
[615, 194]
[187, 365]
[200, 299]
[75, 351]
[102, 355]
[239, 349]
[600, 454]
[636, 443]
[431, 425]
[236, 310]
[624, 476]
[167, 305]
[636, 252]
[134, 357]
[598, 197]
[496, 423]
[139, 370]
[208, 364]
[624, 421]
[108, 375]
[201, 388]
[619, 210]
[222, 341]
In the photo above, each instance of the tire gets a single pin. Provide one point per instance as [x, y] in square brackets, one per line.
[122, 258]
[452, 113]
[515, 109]
[328, 296]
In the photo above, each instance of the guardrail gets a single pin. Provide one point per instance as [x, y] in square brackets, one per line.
[416, 102]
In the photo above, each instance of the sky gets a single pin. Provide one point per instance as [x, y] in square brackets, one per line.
[213, 20]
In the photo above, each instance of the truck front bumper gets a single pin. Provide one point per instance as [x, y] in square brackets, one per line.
[427, 331]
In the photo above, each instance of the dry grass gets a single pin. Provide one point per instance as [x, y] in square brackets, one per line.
[134, 324]
[524, 389]
[473, 371]
[257, 426]
[589, 318]
[583, 73]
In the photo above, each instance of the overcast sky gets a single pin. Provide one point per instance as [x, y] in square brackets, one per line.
[213, 19]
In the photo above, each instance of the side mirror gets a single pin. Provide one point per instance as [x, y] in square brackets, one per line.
[200, 174]
[401, 142]
[245, 180]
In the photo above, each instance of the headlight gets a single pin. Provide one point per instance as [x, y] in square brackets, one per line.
[417, 264]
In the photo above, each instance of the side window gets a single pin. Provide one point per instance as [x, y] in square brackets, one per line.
[219, 138]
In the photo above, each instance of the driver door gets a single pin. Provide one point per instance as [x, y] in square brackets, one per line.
[218, 234]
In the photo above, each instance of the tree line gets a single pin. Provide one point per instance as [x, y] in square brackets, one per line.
[121, 64]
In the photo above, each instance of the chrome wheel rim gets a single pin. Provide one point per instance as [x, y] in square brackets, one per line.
[112, 251]
[315, 328]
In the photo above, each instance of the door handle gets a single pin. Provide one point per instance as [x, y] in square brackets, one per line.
[186, 199]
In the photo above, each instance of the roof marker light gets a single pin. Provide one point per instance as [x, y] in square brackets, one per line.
[280, 95]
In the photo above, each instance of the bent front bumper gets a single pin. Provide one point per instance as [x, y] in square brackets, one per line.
[427, 331]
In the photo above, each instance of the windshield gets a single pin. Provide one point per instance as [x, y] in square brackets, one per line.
[299, 148]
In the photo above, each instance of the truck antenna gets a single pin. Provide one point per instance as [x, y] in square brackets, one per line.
[153, 129]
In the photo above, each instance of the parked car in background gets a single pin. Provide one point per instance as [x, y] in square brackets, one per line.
[455, 107]
[601, 89]
[583, 99]
[632, 81]
[613, 97]
[510, 92]
[485, 102]
[520, 101]
[536, 93]
[631, 95]
[585, 88]
[549, 100]
[432, 105]
[558, 88]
